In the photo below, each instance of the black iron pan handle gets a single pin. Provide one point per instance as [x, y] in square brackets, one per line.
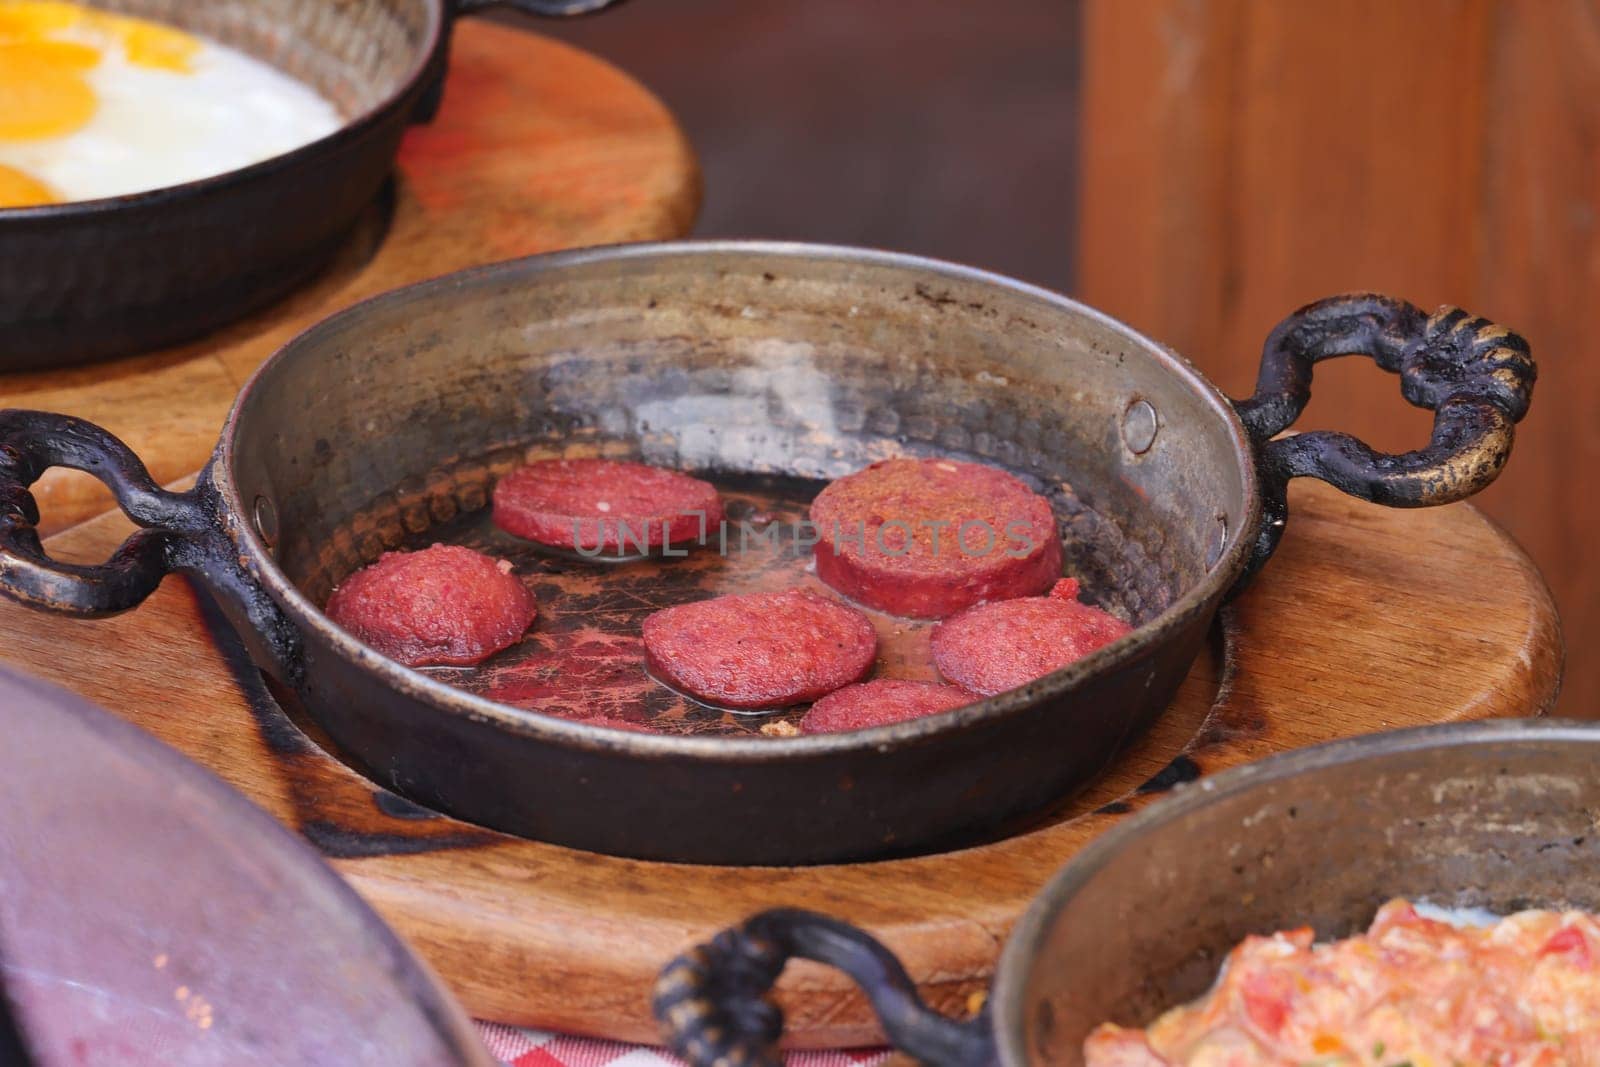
[181, 532]
[428, 103]
[1475, 376]
[716, 1006]
[32, 442]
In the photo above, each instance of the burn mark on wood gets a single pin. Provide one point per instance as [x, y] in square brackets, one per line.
[284, 739]
[280, 735]
[1181, 770]
[340, 843]
[398, 807]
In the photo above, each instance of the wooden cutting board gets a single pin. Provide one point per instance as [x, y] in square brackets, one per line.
[1366, 620]
[539, 146]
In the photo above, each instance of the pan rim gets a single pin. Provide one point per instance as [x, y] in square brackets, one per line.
[1200, 598]
[164, 195]
[1020, 951]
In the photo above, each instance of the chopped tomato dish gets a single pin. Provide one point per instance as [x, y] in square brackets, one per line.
[1410, 992]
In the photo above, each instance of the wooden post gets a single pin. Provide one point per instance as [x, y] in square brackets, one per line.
[1243, 157]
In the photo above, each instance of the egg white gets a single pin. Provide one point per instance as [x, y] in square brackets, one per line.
[155, 127]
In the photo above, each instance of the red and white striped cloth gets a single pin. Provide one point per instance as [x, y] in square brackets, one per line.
[535, 1048]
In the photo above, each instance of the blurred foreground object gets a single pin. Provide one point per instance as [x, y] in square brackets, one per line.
[150, 914]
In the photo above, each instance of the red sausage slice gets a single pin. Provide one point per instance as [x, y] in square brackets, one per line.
[994, 647]
[442, 606]
[879, 703]
[760, 650]
[925, 538]
[601, 505]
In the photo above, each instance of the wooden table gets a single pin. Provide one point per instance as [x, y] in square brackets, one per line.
[538, 147]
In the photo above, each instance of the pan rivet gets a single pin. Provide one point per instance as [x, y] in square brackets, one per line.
[266, 520]
[1139, 427]
[1218, 541]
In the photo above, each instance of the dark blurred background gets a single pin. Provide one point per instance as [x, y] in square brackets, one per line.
[1198, 168]
[944, 127]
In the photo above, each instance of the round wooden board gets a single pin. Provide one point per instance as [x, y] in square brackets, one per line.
[538, 147]
[1366, 620]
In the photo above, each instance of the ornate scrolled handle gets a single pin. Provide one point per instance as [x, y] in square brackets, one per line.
[1475, 376]
[33, 441]
[715, 1000]
[182, 532]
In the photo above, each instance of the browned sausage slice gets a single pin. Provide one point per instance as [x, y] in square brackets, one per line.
[602, 505]
[994, 647]
[443, 606]
[879, 703]
[924, 538]
[760, 650]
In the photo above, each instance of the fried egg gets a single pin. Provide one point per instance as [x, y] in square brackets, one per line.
[94, 104]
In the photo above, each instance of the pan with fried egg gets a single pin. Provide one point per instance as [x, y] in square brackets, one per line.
[167, 166]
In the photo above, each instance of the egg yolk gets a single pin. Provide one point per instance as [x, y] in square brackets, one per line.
[148, 44]
[46, 45]
[19, 190]
[43, 92]
[28, 19]
[68, 54]
[47, 48]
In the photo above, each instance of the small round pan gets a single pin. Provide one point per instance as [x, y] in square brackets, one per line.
[1496, 815]
[94, 279]
[797, 362]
